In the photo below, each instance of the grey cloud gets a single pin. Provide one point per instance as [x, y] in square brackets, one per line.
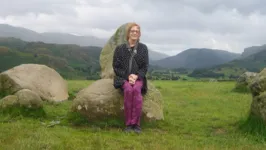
[169, 27]
[177, 16]
[245, 7]
[15, 7]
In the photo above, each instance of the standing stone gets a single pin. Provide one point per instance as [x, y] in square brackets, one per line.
[106, 57]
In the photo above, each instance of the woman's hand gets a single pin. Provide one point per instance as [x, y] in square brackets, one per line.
[132, 78]
[131, 81]
[135, 77]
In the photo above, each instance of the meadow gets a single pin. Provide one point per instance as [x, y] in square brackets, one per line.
[198, 115]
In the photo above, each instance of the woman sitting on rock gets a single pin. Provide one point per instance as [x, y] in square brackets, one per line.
[130, 64]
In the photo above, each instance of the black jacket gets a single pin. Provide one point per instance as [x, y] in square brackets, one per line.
[121, 64]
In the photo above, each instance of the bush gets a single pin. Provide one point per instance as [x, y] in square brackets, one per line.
[205, 73]
[241, 88]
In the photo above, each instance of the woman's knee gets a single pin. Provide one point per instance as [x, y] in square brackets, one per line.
[137, 86]
[137, 89]
[127, 87]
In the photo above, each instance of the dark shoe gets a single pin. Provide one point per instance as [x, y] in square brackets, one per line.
[128, 129]
[137, 129]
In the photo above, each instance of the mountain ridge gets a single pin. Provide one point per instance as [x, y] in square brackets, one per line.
[252, 50]
[197, 58]
[28, 35]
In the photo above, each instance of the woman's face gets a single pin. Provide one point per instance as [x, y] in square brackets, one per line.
[134, 33]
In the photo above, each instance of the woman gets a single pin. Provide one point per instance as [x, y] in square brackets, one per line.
[130, 64]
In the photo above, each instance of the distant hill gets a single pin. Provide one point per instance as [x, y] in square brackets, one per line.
[197, 58]
[71, 61]
[56, 38]
[252, 50]
[60, 38]
[254, 62]
[156, 55]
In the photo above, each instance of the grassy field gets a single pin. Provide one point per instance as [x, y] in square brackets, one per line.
[198, 115]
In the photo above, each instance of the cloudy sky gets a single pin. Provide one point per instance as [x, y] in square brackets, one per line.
[169, 26]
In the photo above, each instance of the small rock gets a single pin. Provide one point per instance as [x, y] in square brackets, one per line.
[29, 98]
[8, 101]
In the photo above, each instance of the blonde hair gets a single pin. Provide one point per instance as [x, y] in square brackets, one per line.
[129, 28]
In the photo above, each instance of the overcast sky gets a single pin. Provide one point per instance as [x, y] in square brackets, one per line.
[169, 26]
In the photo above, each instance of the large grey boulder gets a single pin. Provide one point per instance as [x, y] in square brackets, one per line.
[40, 79]
[258, 90]
[101, 99]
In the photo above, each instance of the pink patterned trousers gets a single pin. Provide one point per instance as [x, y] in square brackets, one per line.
[132, 102]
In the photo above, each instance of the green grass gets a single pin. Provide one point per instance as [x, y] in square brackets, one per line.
[198, 115]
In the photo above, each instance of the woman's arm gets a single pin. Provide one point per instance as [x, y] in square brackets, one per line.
[144, 66]
[117, 63]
